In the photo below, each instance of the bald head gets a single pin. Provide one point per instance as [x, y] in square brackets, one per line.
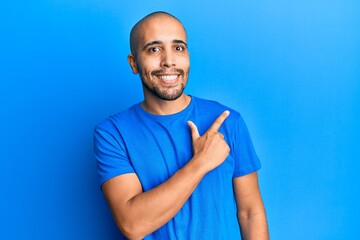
[137, 28]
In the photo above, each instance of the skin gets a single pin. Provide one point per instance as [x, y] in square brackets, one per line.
[161, 53]
[161, 59]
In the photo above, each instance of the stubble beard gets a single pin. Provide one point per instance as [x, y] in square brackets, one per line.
[165, 93]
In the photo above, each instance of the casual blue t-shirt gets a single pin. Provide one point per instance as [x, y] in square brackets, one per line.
[156, 146]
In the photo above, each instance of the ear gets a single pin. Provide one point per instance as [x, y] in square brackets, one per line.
[132, 63]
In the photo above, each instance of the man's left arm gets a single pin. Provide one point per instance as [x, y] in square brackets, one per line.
[251, 211]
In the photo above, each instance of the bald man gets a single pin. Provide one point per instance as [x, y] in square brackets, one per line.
[176, 166]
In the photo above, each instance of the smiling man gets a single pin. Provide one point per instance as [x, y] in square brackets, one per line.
[176, 166]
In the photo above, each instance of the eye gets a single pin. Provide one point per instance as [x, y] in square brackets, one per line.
[179, 48]
[154, 49]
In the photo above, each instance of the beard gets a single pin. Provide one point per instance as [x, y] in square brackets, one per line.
[170, 93]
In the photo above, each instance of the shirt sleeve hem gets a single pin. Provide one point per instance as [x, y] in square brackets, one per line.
[246, 171]
[110, 176]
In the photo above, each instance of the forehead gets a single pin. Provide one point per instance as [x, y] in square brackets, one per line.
[161, 28]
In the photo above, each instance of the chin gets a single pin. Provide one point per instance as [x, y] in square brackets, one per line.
[169, 98]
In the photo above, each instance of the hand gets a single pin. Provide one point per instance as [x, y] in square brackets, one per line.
[210, 149]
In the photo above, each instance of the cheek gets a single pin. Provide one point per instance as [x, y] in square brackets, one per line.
[147, 66]
[185, 62]
[186, 65]
[145, 72]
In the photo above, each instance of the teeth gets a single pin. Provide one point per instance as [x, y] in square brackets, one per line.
[168, 77]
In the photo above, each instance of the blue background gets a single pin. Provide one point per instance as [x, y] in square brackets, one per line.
[292, 68]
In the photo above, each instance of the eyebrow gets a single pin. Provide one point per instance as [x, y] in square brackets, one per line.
[180, 41]
[160, 42]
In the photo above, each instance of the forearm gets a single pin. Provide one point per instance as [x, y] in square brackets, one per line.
[148, 211]
[251, 211]
[254, 225]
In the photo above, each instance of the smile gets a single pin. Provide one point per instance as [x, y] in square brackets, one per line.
[168, 77]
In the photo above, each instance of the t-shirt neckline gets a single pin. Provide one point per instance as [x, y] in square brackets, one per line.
[183, 112]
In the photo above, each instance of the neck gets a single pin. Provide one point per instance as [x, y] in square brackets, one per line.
[162, 107]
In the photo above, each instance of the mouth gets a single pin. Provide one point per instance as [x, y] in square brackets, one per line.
[168, 79]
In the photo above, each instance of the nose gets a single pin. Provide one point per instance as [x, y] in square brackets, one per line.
[168, 59]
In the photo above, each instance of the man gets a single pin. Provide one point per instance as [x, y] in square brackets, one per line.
[175, 166]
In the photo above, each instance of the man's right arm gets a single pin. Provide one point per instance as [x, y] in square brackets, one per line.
[139, 213]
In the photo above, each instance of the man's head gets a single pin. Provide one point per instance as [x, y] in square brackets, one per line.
[159, 54]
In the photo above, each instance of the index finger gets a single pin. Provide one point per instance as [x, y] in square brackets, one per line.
[219, 121]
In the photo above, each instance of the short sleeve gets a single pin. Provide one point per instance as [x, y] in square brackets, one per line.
[246, 160]
[110, 153]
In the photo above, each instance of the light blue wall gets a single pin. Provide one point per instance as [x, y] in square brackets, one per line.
[292, 68]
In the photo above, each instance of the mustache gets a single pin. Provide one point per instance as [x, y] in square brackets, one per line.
[167, 71]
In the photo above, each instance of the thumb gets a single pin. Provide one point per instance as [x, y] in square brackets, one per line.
[194, 130]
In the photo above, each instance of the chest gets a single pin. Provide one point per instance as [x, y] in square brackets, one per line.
[158, 150]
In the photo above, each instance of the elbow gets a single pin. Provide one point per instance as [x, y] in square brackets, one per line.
[247, 215]
[130, 229]
[244, 216]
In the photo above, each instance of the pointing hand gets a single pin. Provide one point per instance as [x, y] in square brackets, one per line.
[210, 149]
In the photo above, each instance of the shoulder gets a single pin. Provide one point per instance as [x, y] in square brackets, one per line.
[215, 108]
[116, 121]
[207, 111]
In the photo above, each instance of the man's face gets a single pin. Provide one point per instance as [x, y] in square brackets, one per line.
[162, 58]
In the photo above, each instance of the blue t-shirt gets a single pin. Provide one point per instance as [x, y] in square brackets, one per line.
[156, 146]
